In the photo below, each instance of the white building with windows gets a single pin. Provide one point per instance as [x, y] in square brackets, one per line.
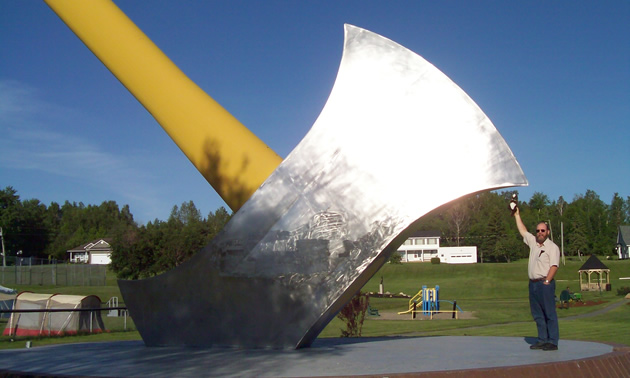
[95, 252]
[422, 246]
[458, 255]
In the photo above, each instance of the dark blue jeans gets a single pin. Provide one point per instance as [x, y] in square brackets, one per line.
[542, 302]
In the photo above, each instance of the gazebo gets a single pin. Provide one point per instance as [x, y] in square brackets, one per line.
[593, 265]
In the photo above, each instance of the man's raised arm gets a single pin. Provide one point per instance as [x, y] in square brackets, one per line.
[519, 222]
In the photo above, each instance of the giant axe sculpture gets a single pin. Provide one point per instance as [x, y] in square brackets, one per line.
[395, 140]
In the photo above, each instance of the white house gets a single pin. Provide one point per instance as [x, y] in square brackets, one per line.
[623, 242]
[421, 246]
[95, 252]
[424, 245]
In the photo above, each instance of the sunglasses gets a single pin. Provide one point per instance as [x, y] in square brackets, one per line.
[541, 230]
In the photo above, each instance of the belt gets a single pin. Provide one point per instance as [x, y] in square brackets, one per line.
[538, 279]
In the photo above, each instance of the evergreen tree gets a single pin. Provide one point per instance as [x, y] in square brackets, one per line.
[577, 241]
[616, 217]
[10, 219]
[160, 246]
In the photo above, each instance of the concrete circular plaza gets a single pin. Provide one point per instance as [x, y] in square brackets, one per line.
[390, 356]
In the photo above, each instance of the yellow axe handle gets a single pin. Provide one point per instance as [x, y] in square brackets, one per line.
[233, 160]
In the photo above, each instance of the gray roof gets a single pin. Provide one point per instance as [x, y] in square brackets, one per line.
[90, 245]
[426, 234]
[623, 236]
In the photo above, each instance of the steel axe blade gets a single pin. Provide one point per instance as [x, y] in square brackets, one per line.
[396, 139]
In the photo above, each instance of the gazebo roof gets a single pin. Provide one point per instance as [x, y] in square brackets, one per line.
[593, 263]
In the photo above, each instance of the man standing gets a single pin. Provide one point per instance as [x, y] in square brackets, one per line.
[544, 257]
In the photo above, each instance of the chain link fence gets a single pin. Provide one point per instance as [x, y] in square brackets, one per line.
[33, 271]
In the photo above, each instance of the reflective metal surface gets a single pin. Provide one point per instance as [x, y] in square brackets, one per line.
[396, 139]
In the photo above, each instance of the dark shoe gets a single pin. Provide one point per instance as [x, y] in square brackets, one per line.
[550, 346]
[539, 345]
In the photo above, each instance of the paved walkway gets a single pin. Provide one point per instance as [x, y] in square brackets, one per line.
[327, 357]
[451, 356]
[600, 311]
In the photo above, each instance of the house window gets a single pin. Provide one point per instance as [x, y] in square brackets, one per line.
[419, 241]
[432, 241]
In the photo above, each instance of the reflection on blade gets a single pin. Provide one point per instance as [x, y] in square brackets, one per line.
[396, 139]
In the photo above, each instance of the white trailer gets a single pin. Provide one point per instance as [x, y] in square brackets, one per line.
[458, 255]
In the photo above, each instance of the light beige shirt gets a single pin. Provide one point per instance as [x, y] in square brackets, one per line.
[541, 257]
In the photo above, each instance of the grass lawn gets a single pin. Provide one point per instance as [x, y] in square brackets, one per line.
[496, 294]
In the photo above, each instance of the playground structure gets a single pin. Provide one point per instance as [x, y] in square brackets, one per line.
[427, 302]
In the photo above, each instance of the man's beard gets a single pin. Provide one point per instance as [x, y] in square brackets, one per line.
[541, 239]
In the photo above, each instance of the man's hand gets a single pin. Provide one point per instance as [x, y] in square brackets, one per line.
[514, 204]
[550, 274]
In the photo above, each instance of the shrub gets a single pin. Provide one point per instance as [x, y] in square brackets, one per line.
[353, 314]
[435, 260]
[395, 258]
[623, 291]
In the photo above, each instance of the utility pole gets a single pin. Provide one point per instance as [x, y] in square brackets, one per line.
[562, 242]
[561, 205]
[561, 238]
[4, 255]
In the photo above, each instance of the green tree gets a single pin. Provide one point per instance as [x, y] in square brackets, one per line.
[23, 224]
[497, 242]
[487, 210]
[160, 246]
[395, 258]
[9, 218]
[75, 224]
[32, 231]
[593, 215]
[217, 220]
[509, 248]
[540, 203]
[133, 255]
[616, 217]
[577, 242]
[184, 235]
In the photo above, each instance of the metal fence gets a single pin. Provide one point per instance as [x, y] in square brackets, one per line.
[53, 274]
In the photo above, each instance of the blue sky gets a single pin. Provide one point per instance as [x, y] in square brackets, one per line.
[553, 76]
